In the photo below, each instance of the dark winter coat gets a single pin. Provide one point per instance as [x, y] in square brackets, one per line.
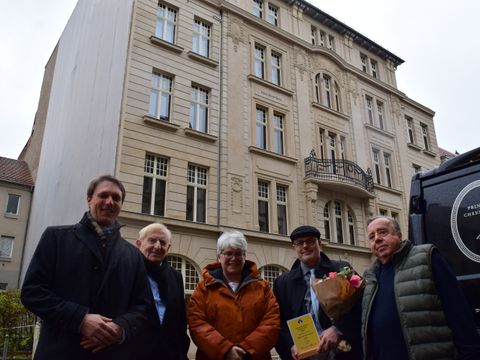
[68, 278]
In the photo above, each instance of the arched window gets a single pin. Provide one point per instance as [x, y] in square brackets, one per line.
[271, 272]
[339, 223]
[188, 270]
[327, 92]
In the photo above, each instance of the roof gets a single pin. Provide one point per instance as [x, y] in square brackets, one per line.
[343, 29]
[15, 171]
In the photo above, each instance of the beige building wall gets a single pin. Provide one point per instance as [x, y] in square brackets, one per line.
[228, 149]
[312, 46]
[13, 226]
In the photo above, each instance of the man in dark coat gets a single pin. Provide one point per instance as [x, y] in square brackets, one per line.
[165, 337]
[294, 300]
[87, 283]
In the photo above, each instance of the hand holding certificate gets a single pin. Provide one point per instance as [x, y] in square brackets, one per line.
[304, 335]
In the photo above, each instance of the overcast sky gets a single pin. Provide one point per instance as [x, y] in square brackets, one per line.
[438, 39]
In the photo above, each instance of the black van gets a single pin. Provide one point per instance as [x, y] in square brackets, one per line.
[445, 211]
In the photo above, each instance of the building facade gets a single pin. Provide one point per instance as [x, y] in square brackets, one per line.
[248, 114]
[16, 187]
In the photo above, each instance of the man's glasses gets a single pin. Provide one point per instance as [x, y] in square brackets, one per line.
[163, 243]
[309, 242]
[231, 255]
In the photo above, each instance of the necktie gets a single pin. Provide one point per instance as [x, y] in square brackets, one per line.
[314, 305]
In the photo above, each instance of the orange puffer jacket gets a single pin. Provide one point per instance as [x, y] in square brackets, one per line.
[220, 319]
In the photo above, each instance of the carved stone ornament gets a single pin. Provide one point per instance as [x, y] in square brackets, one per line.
[236, 32]
[236, 184]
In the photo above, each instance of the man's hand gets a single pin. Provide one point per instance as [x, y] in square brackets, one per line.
[235, 353]
[294, 352]
[99, 332]
[329, 339]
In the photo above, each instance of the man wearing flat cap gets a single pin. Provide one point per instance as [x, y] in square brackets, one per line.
[295, 298]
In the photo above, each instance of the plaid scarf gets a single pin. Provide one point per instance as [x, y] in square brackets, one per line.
[102, 231]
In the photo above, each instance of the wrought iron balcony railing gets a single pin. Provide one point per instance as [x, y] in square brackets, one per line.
[340, 170]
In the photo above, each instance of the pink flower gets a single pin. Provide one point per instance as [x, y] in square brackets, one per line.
[331, 275]
[355, 281]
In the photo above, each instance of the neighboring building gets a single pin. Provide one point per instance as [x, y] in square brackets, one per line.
[446, 155]
[16, 186]
[248, 114]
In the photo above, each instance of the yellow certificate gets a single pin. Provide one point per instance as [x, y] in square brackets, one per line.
[304, 335]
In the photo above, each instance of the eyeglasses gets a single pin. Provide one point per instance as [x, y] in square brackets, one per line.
[230, 255]
[309, 242]
[151, 241]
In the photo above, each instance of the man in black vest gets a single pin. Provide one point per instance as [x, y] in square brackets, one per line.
[294, 298]
[412, 305]
[165, 337]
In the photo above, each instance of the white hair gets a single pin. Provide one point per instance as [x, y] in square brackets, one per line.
[143, 233]
[231, 238]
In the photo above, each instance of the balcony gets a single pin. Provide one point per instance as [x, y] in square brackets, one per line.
[339, 175]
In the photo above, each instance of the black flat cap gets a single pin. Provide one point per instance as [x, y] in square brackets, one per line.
[304, 230]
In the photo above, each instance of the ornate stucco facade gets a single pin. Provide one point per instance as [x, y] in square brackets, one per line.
[230, 114]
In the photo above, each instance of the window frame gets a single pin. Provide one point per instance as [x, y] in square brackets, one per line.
[410, 129]
[257, 8]
[376, 112]
[272, 15]
[425, 137]
[158, 173]
[260, 61]
[197, 108]
[166, 21]
[160, 78]
[267, 134]
[199, 184]
[198, 33]
[383, 173]
[5, 239]
[339, 222]
[327, 92]
[276, 68]
[17, 205]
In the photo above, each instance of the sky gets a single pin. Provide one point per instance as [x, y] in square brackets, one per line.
[438, 39]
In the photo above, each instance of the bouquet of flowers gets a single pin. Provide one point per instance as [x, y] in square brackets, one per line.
[337, 292]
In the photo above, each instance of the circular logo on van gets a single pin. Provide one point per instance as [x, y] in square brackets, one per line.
[465, 218]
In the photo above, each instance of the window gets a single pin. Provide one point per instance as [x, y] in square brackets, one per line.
[386, 161]
[383, 170]
[272, 16]
[282, 209]
[272, 210]
[259, 62]
[154, 185]
[201, 38]
[6, 246]
[188, 271]
[364, 61]
[160, 96]
[380, 114]
[331, 42]
[257, 9]
[13, 204]
[276, 78]
[166, 23]
[261, 133]
[271, 272]
[196, 193]
[373, 67]
[278, 133]
[369, 102]
[426, 138]
[332, 147]
[376, 164]
[411, 134]
[270, 130]
[199, 109]
[369, 65]
[263, 217]
[375, 112]
[327, 92]
[340, 227]
[322, 38]
[383, 212]
[314, 35]
[3, 286]
[326, 221]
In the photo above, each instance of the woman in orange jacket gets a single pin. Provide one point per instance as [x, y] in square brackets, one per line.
[233, 313]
